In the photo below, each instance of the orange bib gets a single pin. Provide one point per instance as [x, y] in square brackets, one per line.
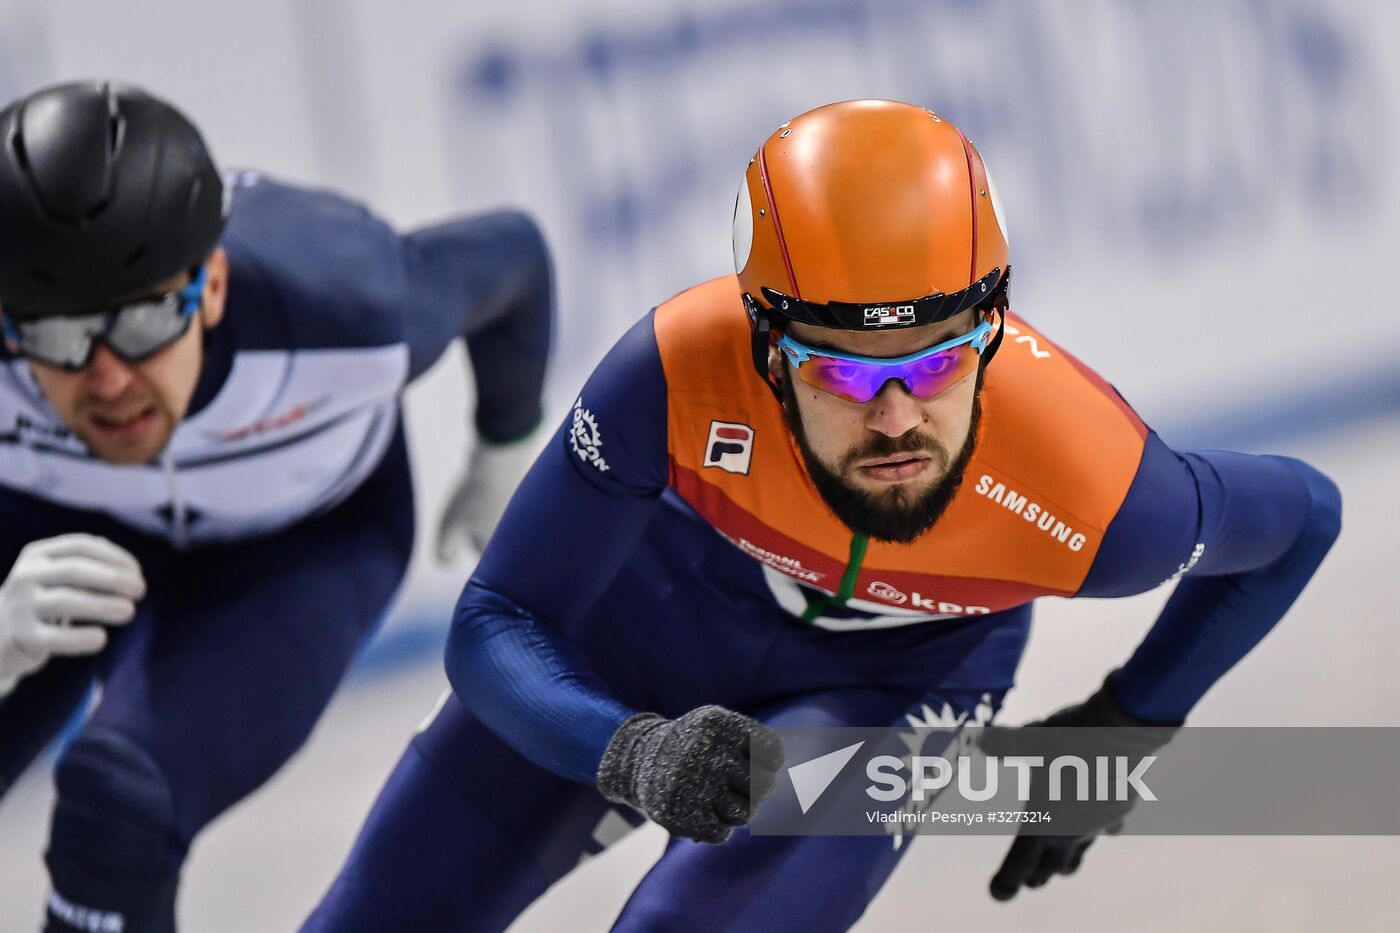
[1057, 451]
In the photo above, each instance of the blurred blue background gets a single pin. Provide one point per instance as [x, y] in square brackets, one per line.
[1201, 202]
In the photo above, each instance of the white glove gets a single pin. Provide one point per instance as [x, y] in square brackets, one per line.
[69, 579]
[481, 495]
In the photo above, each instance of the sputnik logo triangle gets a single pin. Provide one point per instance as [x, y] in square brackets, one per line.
[811, 778]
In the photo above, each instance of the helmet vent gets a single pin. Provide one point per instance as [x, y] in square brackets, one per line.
[96, 210]
[43, 275]
[21, 153]
[136, 255]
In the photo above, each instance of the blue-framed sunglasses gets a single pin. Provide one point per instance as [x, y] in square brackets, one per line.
[134, 332]
[860, 378]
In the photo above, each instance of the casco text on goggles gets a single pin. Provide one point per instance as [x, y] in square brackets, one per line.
[135, 331]
[860, 378]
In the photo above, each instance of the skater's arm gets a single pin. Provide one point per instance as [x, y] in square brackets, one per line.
[573, 522]
[487, 279]
[1245, 533]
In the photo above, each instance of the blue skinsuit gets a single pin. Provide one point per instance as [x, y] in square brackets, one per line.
[273, 532]
[605, 592]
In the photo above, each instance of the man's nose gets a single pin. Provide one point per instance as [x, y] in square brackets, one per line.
[107, 374]
[894, 411]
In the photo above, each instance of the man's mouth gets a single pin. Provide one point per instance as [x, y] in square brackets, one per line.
[124, 424]
[897, 469]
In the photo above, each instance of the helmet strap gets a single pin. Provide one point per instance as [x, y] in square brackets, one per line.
[761, 338]
[999, 303]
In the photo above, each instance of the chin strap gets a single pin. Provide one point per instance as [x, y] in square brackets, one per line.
[761, 331]
[999, 303]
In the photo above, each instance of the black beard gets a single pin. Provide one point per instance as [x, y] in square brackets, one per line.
[896, 515]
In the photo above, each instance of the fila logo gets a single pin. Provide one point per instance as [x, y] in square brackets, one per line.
[729, 447]
[889, 315]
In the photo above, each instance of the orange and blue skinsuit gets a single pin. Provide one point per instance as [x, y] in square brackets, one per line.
[669, 550]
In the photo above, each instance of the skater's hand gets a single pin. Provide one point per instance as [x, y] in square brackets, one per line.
[1034, 860]
[73, 579]
[698, 776]
[480, 497]
[1107, 730]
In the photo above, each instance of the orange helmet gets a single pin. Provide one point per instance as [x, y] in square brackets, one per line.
[867, 214]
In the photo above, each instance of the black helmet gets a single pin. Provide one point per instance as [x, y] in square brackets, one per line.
[105, 192]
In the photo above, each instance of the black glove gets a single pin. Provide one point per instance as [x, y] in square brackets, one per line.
[1035, 859]
[691, 774]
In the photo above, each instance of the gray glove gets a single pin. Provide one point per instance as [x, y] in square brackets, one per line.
[697, 776]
